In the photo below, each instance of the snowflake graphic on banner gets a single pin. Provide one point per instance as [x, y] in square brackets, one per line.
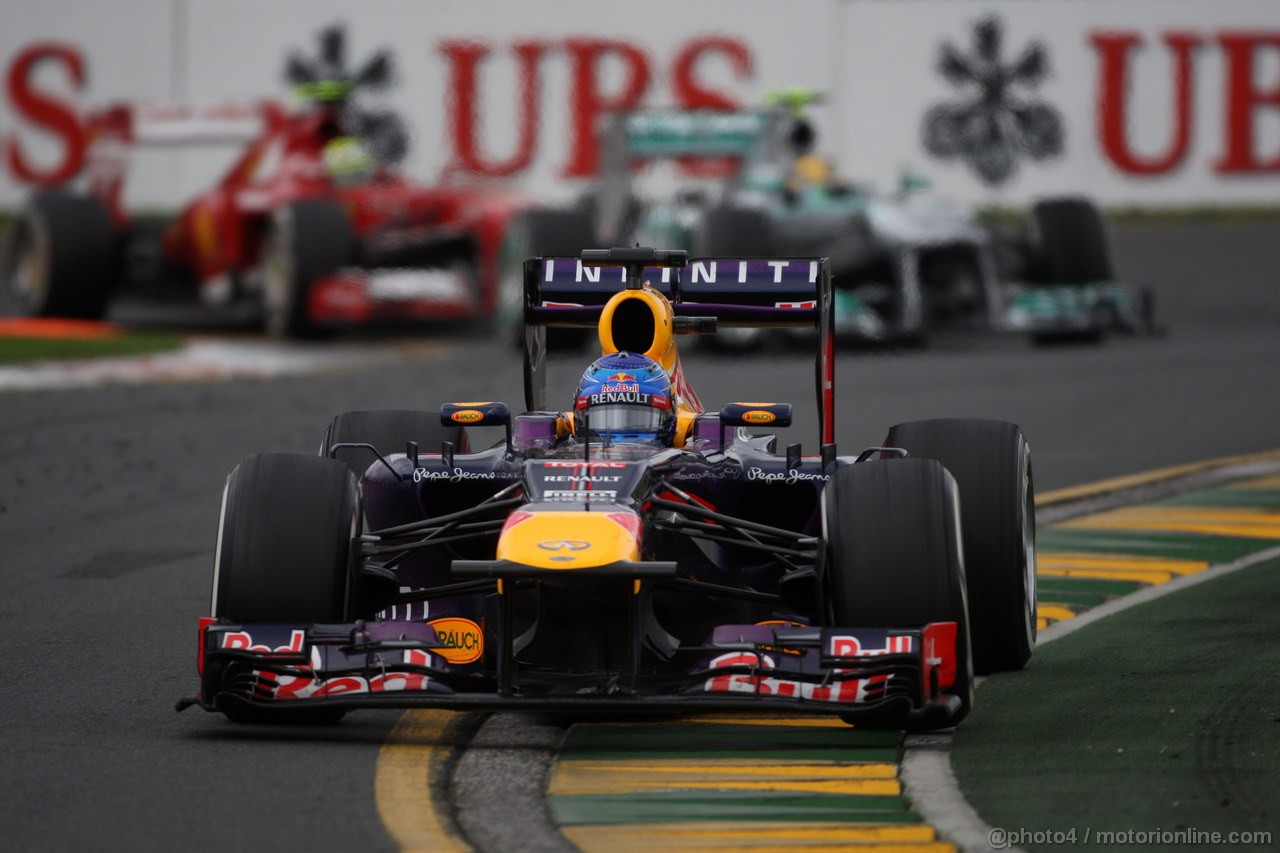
[327, 77]
[998, 120]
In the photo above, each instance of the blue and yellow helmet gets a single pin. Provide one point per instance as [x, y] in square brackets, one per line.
[626, 398]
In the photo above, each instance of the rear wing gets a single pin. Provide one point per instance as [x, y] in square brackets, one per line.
[711, 143]
[656, 134]
[710, 292]
[150, 124]
[113, 130]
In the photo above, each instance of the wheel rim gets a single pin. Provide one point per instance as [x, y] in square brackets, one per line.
[217, 555]
[911, 307]
[1029, 547]
[30, 280]
[277, 283]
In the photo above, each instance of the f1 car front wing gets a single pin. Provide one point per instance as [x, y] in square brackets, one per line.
[904, 673]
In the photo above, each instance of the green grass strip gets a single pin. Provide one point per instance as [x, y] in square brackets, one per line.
[683, 734]
[1075, 599]
[16, 350]
[1175, 544]
[702, 806]
[1228, 498]
[707, 740]
[743, 752]
[1086, 586]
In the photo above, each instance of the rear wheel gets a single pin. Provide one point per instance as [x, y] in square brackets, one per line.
[534, 233]
[732, 232]
[286, 551]
[306, 241]
[991, 463]
[894, 559]
[62, 258]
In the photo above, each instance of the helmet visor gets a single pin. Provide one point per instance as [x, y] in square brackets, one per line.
[626, 419]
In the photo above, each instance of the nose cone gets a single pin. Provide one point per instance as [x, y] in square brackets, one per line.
[571, 538]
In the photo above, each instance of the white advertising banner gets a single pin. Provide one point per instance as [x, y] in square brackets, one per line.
[1136, 102]
[1142, 102]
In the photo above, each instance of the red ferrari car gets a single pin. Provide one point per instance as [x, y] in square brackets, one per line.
[307, 222]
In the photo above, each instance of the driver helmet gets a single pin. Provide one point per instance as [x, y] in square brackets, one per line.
[802, 136]
[348, 161]
[626, 398]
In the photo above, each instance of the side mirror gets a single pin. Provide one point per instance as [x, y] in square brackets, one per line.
[755, 415]
[475, 414]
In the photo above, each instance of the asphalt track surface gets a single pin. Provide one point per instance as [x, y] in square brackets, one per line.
[109, 500]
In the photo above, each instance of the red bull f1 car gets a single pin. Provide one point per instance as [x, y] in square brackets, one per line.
[575, 567]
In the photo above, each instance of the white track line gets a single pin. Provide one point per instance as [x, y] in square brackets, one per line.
[206, 359]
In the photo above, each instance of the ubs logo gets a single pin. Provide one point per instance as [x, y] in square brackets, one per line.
[325, 77]
[997, 117]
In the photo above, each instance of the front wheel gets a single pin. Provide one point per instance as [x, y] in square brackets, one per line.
[1069, 242]
[305, 241]
[286, 552]
[894, 559]
[991, 462]
[61, 258]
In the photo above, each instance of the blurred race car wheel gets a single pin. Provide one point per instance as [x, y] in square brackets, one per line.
[991, 463]
[305, 241]
[733, 232]
[286, 552]
[1069, 242]
[61, 258]
[534, 233]
[893, 560]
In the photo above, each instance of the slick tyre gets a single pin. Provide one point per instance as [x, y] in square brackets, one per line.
[538, 233]
[1069, 242]
[991, 463]
[285, 540]
[734, 232]
[894, 560]
[286, 552]
[305, 241]
[731, 232]
[61, 259]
